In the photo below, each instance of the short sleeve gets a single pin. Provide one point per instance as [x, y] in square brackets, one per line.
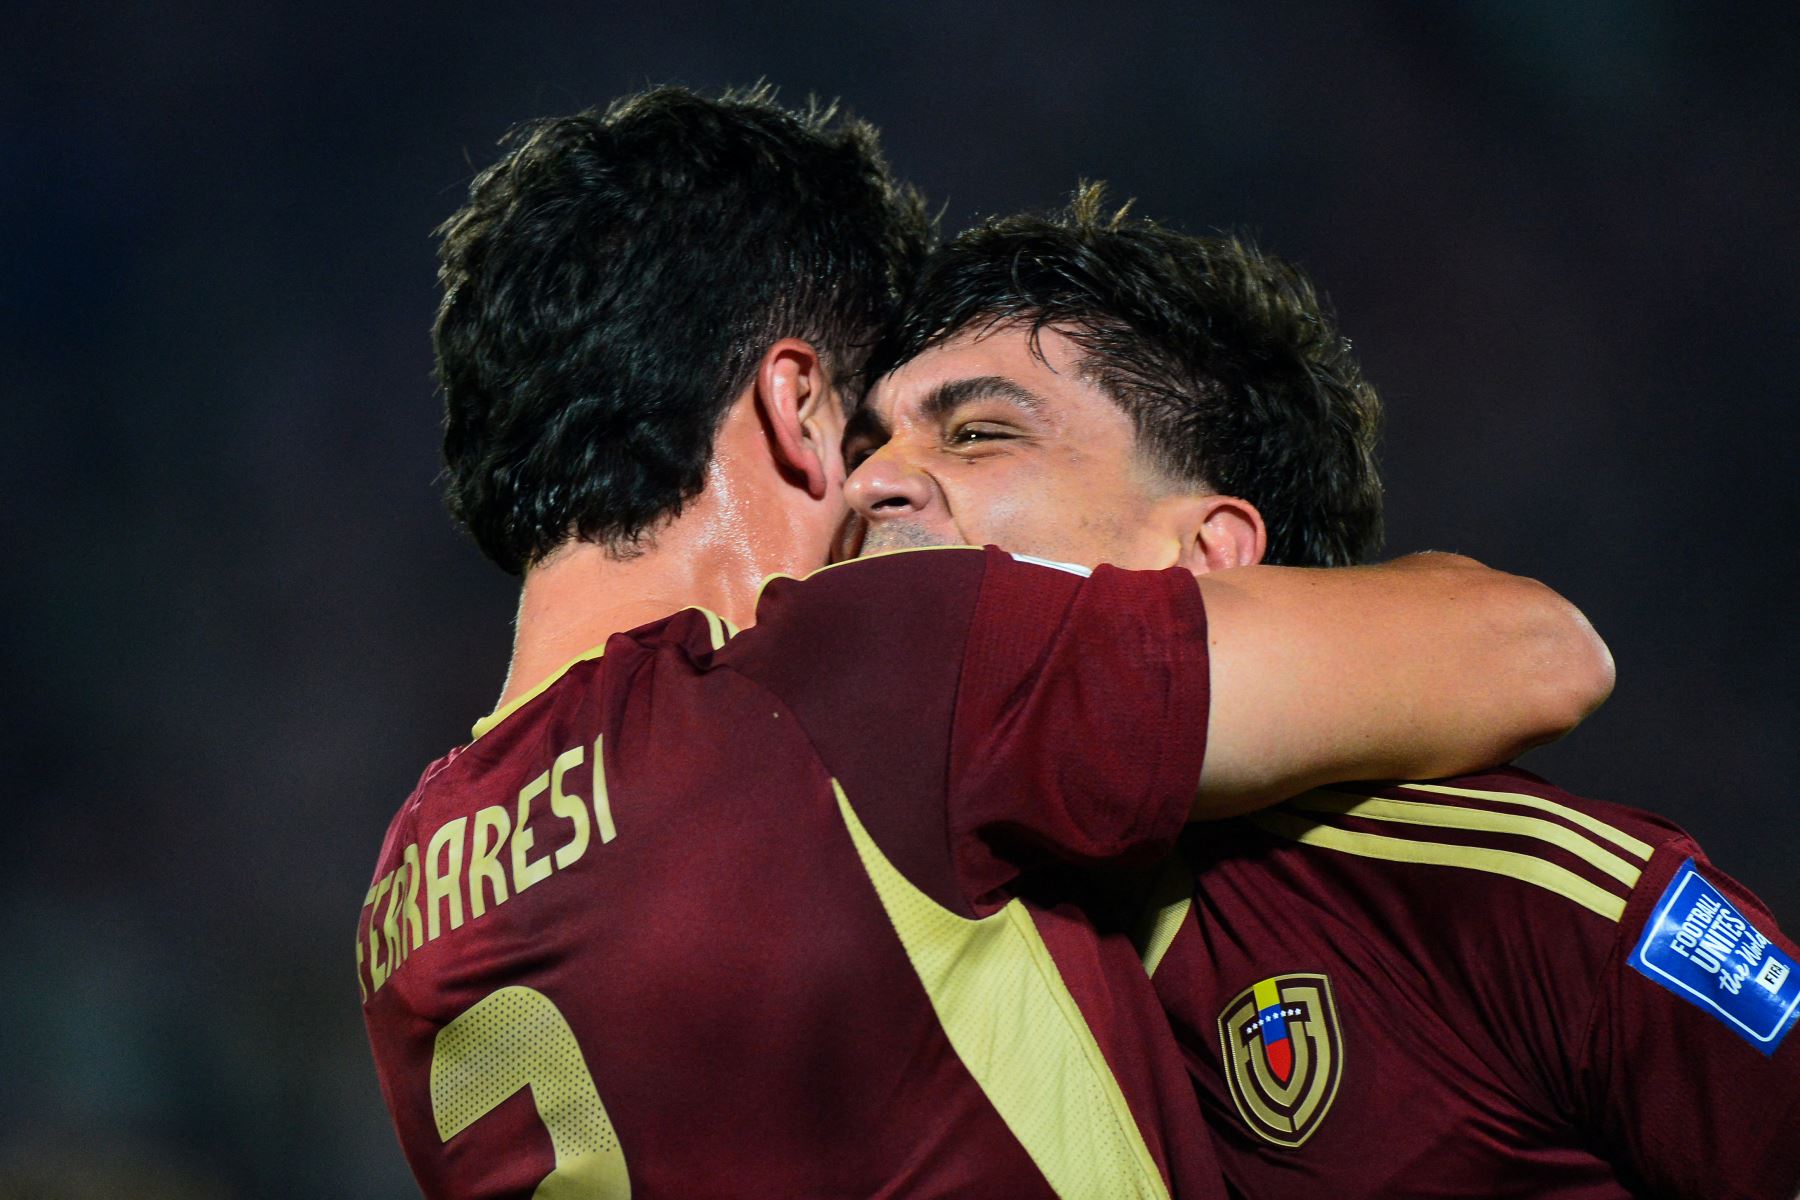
[1087, 700]
[1692, 1082]
[985, 713]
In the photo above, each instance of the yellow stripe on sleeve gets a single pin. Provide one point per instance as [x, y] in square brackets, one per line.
[1524, 867]
[1480, 820]
[1593, 825]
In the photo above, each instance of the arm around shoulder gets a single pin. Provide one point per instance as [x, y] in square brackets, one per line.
[1425, 666]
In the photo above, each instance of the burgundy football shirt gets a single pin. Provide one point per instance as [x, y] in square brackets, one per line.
[1483, 986]
[717, 914]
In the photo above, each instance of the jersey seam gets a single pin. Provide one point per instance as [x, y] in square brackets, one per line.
[1613, 957]
[962, 673]
[831, 774]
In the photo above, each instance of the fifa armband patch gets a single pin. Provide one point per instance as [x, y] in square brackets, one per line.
[1697, 945]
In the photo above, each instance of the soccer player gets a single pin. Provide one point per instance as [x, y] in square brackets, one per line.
[704, 912]
[1476, 986]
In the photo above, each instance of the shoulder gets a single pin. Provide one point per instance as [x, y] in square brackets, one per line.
[1622, 825]
[880, 575]
[840, 614]
[1505, 834]
[910, 612]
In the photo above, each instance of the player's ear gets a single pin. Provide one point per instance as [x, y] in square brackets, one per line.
[797, 405]
[1222, 532]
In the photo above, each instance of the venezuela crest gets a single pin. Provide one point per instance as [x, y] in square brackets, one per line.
[1282, 1055]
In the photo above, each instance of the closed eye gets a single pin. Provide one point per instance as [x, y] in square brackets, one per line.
[979, 431]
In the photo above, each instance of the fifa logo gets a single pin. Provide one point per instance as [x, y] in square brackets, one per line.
[1282, 1055]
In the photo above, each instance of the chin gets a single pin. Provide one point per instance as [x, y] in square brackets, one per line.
[904, 537]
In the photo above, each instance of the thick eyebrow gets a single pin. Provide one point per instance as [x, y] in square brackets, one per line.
[943, 400]
[946, 398]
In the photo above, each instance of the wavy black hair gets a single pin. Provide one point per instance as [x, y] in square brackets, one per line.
[612, 283]
[1225, 358]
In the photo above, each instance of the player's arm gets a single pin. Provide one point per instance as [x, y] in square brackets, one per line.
[1064, 715]
[1426, 666]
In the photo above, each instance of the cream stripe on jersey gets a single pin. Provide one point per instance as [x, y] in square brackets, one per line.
[718, 631]
[1170, 900]
[1594, 825]
[1480, 820]
[1010, 1018]
[1524, 867]
[487, 723]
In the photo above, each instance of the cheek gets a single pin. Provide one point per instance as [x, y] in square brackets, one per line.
[994, 506]
[996, 511]
[1026, 517]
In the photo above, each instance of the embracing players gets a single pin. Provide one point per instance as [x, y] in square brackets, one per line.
[1474, 986]
[706, 912]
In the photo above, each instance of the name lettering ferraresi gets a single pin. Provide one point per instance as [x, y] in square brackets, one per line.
[474, 863]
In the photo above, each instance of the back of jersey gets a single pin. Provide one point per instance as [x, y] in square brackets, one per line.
[640, 938]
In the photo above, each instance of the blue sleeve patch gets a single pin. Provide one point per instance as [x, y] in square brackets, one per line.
[1697, 945]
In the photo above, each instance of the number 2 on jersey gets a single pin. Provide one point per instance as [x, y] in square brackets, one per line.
[513, 1038]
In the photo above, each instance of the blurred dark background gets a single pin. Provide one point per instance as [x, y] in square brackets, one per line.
[1563, 237]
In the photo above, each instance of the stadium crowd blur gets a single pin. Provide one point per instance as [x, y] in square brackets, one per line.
[238, 620]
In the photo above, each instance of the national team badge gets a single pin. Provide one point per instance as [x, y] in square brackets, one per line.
[1283, 1055]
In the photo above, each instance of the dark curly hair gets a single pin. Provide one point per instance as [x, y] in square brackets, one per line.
[1225, 358]
[612, 283]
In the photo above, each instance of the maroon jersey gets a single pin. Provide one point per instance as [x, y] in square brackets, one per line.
[732, 914]
[1484, 986]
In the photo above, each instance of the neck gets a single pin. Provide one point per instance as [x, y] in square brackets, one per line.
[715, 555]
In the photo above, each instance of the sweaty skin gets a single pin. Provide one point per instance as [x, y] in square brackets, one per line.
[980, 442]
[1426, 666]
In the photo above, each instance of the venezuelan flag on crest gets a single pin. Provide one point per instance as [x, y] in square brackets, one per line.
[1282, 1055]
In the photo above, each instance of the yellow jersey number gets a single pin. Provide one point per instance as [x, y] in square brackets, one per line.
[513, 1038]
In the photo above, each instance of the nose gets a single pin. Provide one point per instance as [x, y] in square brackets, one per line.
[886, 487]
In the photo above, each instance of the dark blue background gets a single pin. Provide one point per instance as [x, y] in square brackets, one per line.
[1562, 236]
